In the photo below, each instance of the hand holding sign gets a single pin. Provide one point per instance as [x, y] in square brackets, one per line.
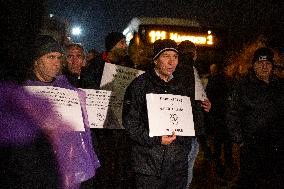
[168, 139]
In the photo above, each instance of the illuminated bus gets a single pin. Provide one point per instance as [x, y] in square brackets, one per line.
[210, 42]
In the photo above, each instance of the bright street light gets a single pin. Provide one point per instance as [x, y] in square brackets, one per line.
[76, 31]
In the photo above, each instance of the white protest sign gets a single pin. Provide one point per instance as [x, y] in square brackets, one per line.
[97, 104]
[116, 78]
[66, 103]
[169, 113]
[200, 93]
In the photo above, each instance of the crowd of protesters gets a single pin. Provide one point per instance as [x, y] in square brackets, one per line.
[242, 106]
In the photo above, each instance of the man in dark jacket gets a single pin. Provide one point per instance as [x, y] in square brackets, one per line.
[217, 90]
[75, 62]
[112, 144]
[186, 76]
[159, 161]
[255, 119]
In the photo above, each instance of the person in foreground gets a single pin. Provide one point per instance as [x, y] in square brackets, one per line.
[159, 161]
[77, 159]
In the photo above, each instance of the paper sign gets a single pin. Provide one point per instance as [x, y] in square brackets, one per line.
[169, 113]
[200, 93]
[116, 78]
[97, 104]
[66, 103]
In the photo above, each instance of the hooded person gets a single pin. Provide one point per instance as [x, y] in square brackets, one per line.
[77, 159]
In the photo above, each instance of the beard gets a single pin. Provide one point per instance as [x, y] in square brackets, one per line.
[120, 53]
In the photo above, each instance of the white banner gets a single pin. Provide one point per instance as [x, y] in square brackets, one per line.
[116, 78]
[66, 103]
[97, 104]
[169, 113]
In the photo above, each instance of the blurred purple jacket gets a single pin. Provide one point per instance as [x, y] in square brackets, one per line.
[26, 149]
[76, 156]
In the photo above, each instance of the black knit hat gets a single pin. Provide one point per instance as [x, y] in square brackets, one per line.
[112, 39]
[45, 44]
[163, 45]
[262, 54]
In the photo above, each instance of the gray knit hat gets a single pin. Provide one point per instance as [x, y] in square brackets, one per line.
[45, 44]
[161, 46]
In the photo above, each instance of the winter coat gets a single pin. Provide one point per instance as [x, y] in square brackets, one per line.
[92, 74]
[149, 156]
[255, 119]
[27, 158]
[185, 77]
[217, 91]
[255, 110]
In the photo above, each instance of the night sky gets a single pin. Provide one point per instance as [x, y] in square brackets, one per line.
[243, 19]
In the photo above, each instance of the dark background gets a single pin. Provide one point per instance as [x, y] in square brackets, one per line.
[243, 19]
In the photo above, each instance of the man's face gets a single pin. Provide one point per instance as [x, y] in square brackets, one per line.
[48, 66]
[166, 64]
[213, 69]
[120, 48]
[75, 60]
[263, 69]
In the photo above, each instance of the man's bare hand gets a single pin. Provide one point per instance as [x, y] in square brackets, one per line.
[168, 139]
[206, 105]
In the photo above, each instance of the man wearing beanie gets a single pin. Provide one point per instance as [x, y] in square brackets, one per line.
[46, 59]
[83, 161]
[159, 161]
[114, 170]
[116, 53]
[113, 39]
[255, 120]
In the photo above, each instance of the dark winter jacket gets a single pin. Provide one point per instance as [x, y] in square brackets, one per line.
[184, 78]
[255, 112]
[149, 156]
[217, 91]
[91, 76]
[74, 79]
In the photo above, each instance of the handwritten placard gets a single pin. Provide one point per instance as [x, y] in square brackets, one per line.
[97, 104]
[66, 103]
[169, 113]
[116, 78]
